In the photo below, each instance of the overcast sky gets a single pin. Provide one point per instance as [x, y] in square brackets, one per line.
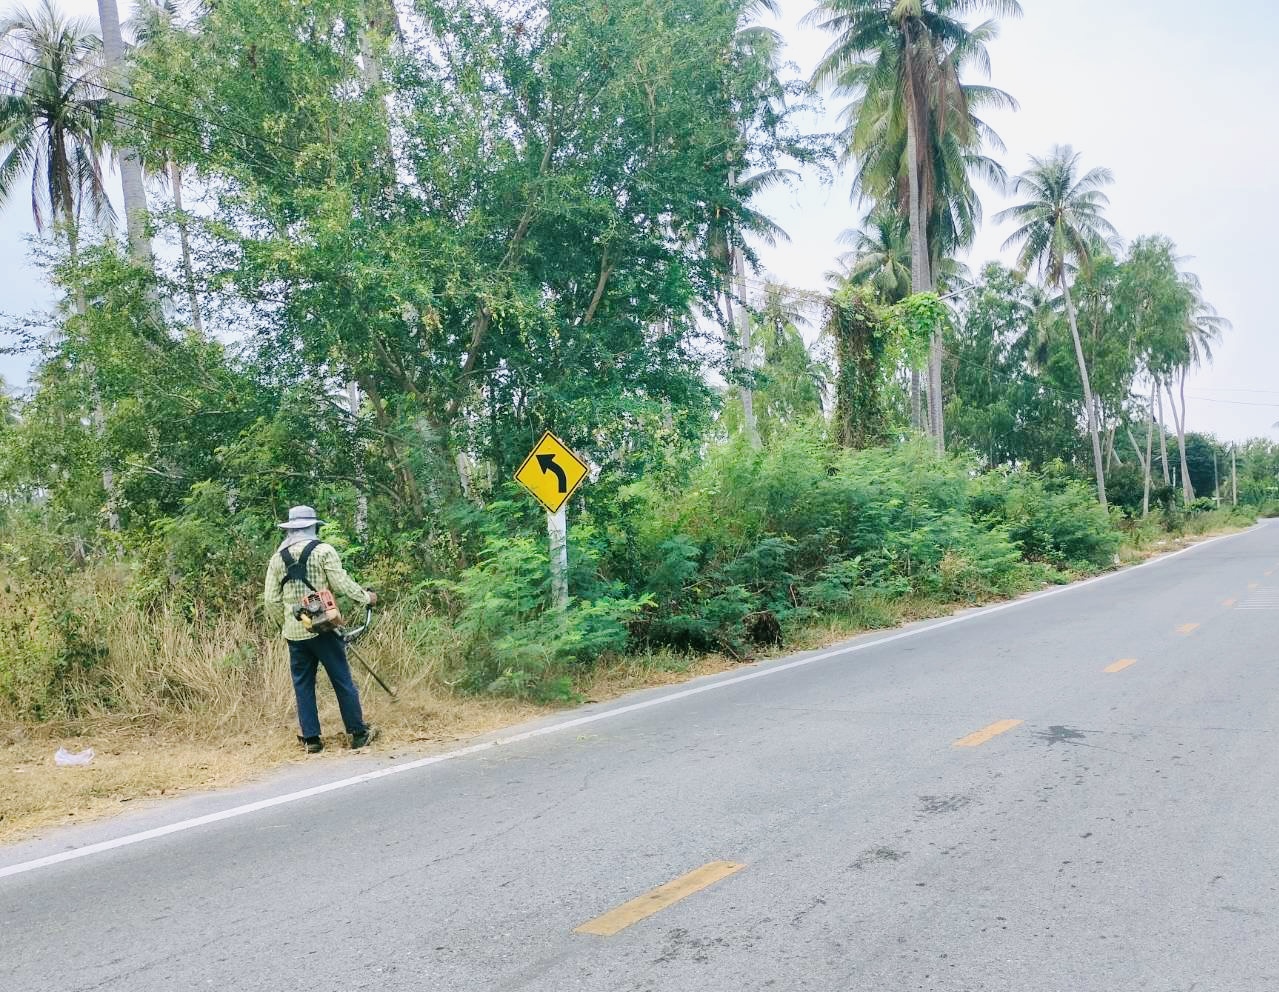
[1174, 96]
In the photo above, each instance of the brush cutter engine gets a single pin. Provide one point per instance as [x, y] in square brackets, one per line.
[318, 612]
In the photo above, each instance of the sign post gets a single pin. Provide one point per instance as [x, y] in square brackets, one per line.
[552, 473]
[557, 529]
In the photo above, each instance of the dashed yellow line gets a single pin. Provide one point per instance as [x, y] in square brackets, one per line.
[1119, 666]
[1186, 629]
[980, 737]
[642, 907]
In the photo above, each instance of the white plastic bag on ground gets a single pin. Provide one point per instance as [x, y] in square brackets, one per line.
[68, 760]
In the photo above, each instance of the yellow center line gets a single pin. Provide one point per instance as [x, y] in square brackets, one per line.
[986, 733]
[641, 907]
[1228, 603]
[1119, 666]
[1187, 628]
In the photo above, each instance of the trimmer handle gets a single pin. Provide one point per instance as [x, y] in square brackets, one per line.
[352, 634]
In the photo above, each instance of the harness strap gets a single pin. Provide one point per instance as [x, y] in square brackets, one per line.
[296, 570]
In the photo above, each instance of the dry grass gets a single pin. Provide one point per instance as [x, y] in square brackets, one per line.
[215, 710]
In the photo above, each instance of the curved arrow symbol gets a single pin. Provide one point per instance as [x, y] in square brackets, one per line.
[547, 462]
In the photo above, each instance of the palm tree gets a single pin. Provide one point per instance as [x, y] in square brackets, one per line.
[1061, 223]
[756, 59]
[51, 126]
[880, 254]
[1203, 327]
[151, 22]
[131, 183]
[910, 123]
[51, 117]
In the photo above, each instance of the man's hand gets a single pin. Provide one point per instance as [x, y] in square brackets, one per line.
[372, 597]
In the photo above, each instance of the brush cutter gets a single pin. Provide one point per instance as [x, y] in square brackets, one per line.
[352, 634]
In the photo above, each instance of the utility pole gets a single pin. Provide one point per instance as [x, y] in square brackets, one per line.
[1216, 485]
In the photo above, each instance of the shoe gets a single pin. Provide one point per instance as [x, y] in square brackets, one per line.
[364, 738]
[313, 745]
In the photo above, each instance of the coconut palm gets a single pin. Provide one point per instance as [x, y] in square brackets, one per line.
[880, 254]
[910, 123]
[51, 116]
[151, 24]
[755, 59]
[1061, 223]
[1203, 328]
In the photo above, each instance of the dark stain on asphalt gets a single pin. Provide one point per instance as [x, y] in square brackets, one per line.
[1061, 735]
[877, 856]
[933, 805]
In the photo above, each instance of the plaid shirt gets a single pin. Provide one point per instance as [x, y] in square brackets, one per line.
[323, 570]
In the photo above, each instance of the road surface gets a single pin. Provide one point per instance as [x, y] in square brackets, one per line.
[1075, 793]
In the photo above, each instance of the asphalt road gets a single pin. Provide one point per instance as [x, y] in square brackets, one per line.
[873, 819]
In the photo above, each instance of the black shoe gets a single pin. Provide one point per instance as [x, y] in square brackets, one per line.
[313, 745]
[364, 738]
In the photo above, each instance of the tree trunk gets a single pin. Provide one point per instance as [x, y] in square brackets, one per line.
[362, 496]
[98, 415]
[921, 278]
[916, 400]
[188, 270]
[1150, 437]
[1163, 436]
[744, 343]
[1234, 477]
[1179, 418]
[1145, 465]
[1088, 400]
[131, 183]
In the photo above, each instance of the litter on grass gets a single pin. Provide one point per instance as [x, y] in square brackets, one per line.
[68, 760]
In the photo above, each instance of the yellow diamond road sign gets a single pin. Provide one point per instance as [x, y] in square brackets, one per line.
[551, 472]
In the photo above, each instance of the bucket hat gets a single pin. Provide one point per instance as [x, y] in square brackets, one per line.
[301, 517]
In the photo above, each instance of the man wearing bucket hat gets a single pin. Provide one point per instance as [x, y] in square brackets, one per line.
[301, 553]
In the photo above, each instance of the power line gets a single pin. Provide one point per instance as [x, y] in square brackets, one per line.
[1209, 399]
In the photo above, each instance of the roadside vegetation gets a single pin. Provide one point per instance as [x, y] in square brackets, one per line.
[376, 250]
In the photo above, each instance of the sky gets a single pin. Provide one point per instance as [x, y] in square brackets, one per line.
[1175, 98]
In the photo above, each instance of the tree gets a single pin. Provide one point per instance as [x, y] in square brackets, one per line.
[51, 117]
[131, 182]
[911, 123]
[152, 23]
[859, 330]
[756, 97]
[879, 255]
[1150, 308]
[793, 378]
[51, 125]
[1061, 223]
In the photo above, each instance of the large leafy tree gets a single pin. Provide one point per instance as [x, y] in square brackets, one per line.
[538, 252]
[1061, 222]
[911, 122]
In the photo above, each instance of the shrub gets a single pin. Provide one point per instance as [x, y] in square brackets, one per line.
[1052, 518]
[511, 641]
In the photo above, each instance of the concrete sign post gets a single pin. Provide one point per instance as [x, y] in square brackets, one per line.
[552, 473]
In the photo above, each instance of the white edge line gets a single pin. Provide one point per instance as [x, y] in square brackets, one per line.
[581, 721]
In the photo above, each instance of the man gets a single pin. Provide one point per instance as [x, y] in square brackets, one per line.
[301, 553]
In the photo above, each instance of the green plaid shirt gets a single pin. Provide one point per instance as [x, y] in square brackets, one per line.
[323, 570]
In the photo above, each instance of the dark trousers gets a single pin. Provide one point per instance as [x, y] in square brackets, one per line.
[305, 657]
